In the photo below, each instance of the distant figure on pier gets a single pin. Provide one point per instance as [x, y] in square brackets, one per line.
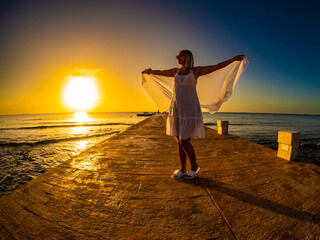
[185, 117]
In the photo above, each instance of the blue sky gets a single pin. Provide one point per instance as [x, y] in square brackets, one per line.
[280, 39]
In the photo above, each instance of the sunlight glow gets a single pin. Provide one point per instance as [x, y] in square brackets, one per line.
[80, 117]
[80, 93]
[80, 130]
[82, 145]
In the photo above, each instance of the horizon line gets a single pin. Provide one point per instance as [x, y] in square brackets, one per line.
[277, 113]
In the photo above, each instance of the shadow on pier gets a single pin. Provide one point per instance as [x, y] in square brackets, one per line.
[253, 200]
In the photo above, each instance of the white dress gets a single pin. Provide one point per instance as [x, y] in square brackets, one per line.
[213, 89]
[181, 98]
[185, 117]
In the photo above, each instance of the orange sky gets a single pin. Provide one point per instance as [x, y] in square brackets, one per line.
[44, 42]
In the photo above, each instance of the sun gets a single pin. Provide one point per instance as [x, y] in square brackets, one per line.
[80, 93]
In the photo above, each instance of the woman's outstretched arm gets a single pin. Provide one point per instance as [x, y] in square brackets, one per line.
[209, 69]
[167, 73]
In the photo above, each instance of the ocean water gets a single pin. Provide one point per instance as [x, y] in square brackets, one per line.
[263, 129]
[32, 144]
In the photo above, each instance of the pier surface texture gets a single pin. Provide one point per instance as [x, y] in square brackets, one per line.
[122, 189]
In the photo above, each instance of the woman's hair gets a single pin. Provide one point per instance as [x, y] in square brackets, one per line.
[189, 63]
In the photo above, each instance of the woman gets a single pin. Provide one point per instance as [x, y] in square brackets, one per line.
[185, 118]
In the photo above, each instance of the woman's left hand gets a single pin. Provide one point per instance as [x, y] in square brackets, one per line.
[239, 57]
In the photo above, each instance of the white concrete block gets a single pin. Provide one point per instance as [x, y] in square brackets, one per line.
[289, 137]
[221, 123]
[287, 152]
[223, 130]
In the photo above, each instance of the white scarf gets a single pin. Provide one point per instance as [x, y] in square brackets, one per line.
[213, 89]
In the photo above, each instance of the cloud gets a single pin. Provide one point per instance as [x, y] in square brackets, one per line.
[85, 72]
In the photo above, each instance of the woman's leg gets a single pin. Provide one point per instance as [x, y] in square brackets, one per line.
[189, 150]
[182, 157]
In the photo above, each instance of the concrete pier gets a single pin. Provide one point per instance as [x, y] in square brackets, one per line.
[122, 189]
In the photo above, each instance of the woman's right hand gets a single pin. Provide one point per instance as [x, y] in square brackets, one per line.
[147, 71]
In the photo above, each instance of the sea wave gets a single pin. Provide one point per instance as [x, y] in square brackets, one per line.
[48, 141]
[310, 139]
[234, 124]
[66, 126]
[310, 145]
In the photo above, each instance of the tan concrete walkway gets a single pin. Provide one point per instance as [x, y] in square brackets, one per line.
[121, 189]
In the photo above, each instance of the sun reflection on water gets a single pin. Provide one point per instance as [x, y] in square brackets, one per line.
[80, 117]
[82, 145]
[79, 130]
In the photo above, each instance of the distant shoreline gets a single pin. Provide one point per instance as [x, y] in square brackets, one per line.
[296, 114]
